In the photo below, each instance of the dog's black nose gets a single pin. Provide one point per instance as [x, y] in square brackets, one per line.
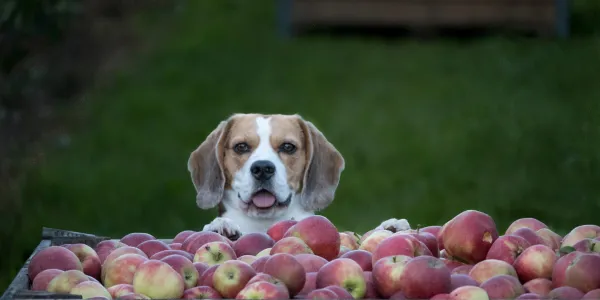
[262, 170]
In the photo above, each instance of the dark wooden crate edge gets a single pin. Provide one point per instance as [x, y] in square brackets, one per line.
[285, 25]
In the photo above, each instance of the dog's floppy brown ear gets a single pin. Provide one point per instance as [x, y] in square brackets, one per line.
[324, 167]
[206, 168]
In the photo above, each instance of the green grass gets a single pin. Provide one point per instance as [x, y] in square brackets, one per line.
[428, 129]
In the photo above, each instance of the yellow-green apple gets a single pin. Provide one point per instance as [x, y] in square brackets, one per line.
[182, 235]
[340, 292]
[560, 268]
[157, 280]
[214, 253]
[469, 235]
[278, 229]
[65, 281]
[199, 239]
[371, 291]
[536, 261]
[348, 241]
[201, 292]
[507, 248]
[587, 245]
[53, 257]
[424, 277]
[529, 235]
[540, 286]
[592, 295]
[565, 293]
[104, 248]
[115, 254]
[503, 287]
[550, 238]
[186, 269]
[89, 289]
[152, 247]
[90, 261]
[428, 240]
[41, 280]
[135, 238]
[310, 262]
[399, 244]
[387, 272]
[119, 290]
[286, 268]
[265, 252]
[489, 268]
[162, 254]
[133, 296]
[122, 269]
[362, 257]
[175, 246]
[247, 258]
[262, 290]
[435, 230]
[469, 292]
[259, 263]
[464, 269]
[373, 239]
[583, 273]
[291, 245]
[231, 276]
[530, 296]
[458, 280]
[579, 233]
[310, 284]
[344, 273]
[206, 278]
[252, 243]
[530, 223]
[319, 234]
[321, 294]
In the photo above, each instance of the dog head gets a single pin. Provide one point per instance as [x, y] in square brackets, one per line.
[262, 164]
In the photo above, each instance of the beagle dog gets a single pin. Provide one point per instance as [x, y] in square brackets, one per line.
[260, 169]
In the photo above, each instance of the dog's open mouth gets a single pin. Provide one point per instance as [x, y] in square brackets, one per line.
[263, 199]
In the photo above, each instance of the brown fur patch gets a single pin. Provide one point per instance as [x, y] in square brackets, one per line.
[242, 129]
[287, 129]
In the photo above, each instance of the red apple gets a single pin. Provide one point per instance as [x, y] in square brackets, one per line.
[529, 235]
[115, 254]
[435, 230]
[41, 280]
[399, 244]
[162, 254]
[345, 273]
[348, 241]
[340, 292]
[262, 290]
[428, 240]
[65, 281]
[252, 243]
[469, 292]
[157, 280]
[104, 248]
[310, 262]
[587, 245]
[88, 257]
[373, 239]
[362, 257]
[458, 280]
[259, 263]
[387, 272]
[201, 292]
[214, 253]
[343, 250]
[489, 268]
[540, 286]
[53, 257]
[398, 296]
[453, 264]
[133, 296]
[310, 284]
[530, 223]
[119, 290]
[579, 233]
[464, 269]
[247, 258]
[206, 278]
[268, 278]
[559, 272]
[565, 293]
[231, 277]
[322, 294]
[185, 268]
[182, 235]
[441, 297]
[175, 246]
[536, 261]
[550, 238]
[152, 247]
[200, 268]
[469, 236]
[286, 268]
[136, 238]
[371, 292]
[291, 245]
[503, 287]
[583, 273]
[592, 295]
[507, 248]
[425, 277]
[530, 296]
[122, 269]
[319, 234]
[278, 229]
[199, 239]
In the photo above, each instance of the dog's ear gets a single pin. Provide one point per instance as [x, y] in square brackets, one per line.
[324, 166]
[206, 168]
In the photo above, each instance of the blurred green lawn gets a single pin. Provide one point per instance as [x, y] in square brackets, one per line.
[428, 129]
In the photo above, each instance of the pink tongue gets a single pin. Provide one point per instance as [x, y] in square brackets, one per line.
[263, 199]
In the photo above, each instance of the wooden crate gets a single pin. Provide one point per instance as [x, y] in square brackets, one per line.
[545, 17]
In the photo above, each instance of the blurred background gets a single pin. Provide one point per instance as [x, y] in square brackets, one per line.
[103, 101]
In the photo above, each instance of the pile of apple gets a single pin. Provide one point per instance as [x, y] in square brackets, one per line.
[465, 259]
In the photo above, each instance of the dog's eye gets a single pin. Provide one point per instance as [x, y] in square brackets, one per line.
[241, 148]
[287, 148]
